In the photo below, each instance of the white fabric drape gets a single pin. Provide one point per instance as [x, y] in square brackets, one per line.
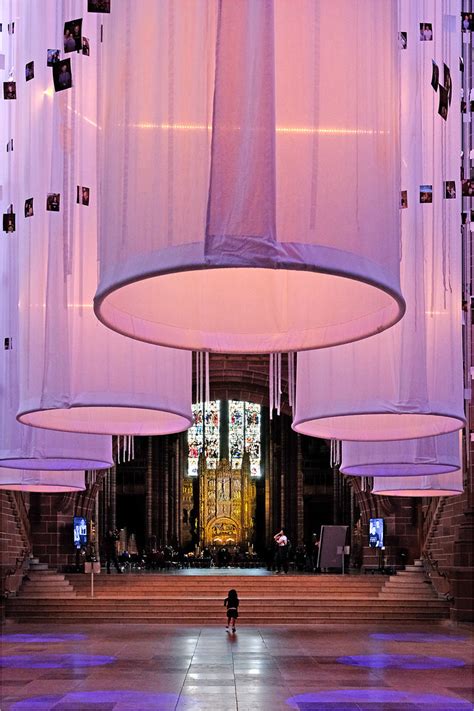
[76, 375]
[47, 482]
[26, 447]
[450, 484]
[407, 382]
[402, 458]
[250, 155]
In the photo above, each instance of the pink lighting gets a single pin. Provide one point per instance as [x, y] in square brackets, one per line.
[234, 170]
[47, 482]
[425, 457]
[75, 374]
[408, 381]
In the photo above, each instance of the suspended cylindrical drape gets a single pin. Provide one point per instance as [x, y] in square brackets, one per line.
[76, 374]
[250, 151]
[449, 484]
[402, 458]
[26, 447]
[47, 482]
[408, 381]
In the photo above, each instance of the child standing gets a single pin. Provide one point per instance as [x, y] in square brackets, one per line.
[231, 603]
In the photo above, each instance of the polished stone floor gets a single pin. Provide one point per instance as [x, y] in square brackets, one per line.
[316, 668]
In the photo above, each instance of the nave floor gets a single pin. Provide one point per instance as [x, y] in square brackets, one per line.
[125, 667]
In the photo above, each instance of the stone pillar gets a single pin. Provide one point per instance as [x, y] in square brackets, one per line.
[165, 489]
[113, 497]
[149, 490]
[299, 492]
[283, 473]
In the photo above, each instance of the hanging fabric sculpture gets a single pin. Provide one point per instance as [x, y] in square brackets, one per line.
[427, 456]
[76, 375]
[47, 482]
[251, 175]
[25, 447]
[408, 381]
[450, 484]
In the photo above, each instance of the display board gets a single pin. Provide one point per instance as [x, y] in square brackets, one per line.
[332, 538]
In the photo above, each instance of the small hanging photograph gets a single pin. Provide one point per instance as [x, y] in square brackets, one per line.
[403, 40]
[7, 344]
[450, 189]
[467, 21]
[434, 75]
[73, 35]
[29, 207]
[62, 76]
[9, 90]
[86, 48]
[467, 188]
[54, 55]
[447, 82]
[403, 199]
[9, 222]
[98, 5]
[83, 195]
[29, 71]
[426, 193]
[426, 32]
[52, 202]
[443, 103]
[10, 145]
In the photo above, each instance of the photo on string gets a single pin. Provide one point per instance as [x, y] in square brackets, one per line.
[73, 35]
[52, 202]
[62, 76]
[29, 71]
[426, 193]
[53, 56]
[9, 90]
[29, 207]
[450, 189]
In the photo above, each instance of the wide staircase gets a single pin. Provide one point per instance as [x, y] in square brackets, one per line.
[198, 600]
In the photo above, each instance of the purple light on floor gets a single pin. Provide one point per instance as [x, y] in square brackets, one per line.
[417, 637]
[401, 661]
[41, 638]
[54, 661]
[143, 700]
[365, 700]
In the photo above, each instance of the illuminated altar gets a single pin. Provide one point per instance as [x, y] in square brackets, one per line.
[226, 504]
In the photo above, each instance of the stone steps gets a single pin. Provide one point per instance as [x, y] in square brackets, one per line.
[194, 599]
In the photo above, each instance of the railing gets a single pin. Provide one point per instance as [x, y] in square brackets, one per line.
[429, 520]
[17, 502]
[14, 576]
[439, 578]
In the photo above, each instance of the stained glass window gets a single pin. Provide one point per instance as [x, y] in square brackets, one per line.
[204, 428]
[195, 440]
[211, 433]
[244, 435]
[236, 433]
[253, 417]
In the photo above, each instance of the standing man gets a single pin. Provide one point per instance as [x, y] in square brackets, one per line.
[282, 551]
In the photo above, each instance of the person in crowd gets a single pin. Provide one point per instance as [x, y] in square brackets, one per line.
[231, 603]
[110, 550]
[282, 542]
